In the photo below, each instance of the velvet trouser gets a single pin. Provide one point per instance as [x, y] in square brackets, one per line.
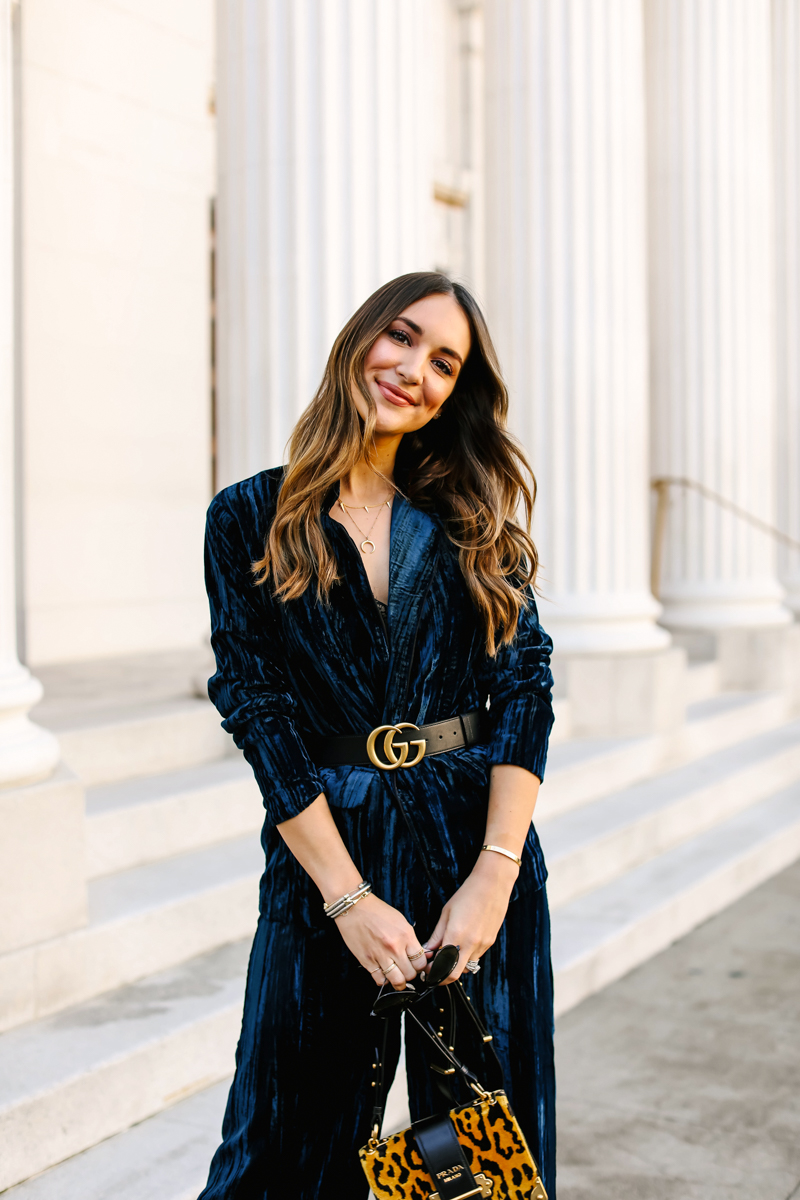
[301, 1100]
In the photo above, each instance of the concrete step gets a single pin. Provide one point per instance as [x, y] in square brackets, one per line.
[122, 741]
[140, 921]
[165, 1157]
[142, 820]
[587, 847]
[584, 769]
[69, 1081]
[702, 681]
[604, 934]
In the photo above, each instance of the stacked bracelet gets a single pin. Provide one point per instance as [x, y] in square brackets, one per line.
[346, 902]
[507, 853]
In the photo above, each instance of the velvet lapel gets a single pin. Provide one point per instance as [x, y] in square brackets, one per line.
[413, 553]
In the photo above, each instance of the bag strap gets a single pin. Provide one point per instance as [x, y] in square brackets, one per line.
[454, 1068]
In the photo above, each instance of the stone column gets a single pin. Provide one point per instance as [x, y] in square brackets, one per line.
[42, 872]
[566, 297]
[712, 308]
[324, 193]
[26, 751]
[786, 92]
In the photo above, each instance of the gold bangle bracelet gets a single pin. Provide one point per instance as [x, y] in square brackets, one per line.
[508, 854]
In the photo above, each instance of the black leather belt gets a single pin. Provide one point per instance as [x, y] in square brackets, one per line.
[389, 746]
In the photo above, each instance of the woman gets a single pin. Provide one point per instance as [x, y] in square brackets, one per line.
[380, 582]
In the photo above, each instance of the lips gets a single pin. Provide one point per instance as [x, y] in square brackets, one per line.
[395, 395]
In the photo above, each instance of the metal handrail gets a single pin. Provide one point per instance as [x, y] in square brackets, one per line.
[661, 487]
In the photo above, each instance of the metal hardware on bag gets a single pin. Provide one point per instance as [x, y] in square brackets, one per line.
[486, 1186]
[389, 748]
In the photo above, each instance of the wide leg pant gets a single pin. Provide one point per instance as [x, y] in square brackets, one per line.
[301, 1100]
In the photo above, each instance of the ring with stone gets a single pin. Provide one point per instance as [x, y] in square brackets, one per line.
[473, 966]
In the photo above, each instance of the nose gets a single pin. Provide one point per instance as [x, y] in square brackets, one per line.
[410, 369]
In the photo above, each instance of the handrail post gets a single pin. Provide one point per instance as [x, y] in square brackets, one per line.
[661, 487]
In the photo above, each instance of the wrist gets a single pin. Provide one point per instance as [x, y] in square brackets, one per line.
[336, 885]
[495, 869]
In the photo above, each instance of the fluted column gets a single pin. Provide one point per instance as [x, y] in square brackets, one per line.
[27, 752]
[566, 294]
[324, 192]
[786, 92]
[711, 305]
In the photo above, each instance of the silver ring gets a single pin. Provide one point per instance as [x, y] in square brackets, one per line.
[473, 966]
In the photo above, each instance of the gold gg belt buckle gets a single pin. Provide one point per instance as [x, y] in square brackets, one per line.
[389, 748]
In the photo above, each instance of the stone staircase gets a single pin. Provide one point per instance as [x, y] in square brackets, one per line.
[119, 1036]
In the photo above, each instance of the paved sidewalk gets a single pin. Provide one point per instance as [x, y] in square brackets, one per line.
[683, 1079]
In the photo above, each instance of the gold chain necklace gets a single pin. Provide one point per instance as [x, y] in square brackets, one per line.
[367, 539]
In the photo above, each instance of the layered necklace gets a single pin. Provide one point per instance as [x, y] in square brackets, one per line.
[367, 545]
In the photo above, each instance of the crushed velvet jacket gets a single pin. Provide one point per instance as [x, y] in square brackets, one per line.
[289, 671]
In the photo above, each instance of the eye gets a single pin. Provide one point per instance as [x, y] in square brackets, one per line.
[400, 335]
[443, 365]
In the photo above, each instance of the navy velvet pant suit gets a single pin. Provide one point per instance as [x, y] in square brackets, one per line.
[300, 1103]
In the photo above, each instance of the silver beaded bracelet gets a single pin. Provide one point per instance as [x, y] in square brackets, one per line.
[347, 901]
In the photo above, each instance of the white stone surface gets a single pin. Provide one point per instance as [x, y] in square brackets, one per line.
[324, 193]
[606, 933]
[117, 180]
[566, 298]
[590, 846]
[786, 94]
[146, 819]
[71, 1080]
[27, 752]
[163, 1158]
[142, 740]
[711, 305]
[42, 863]
[140, 921]
[584, 769]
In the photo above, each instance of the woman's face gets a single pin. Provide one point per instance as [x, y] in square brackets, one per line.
[413, 366]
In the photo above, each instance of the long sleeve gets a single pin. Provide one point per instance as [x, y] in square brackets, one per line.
[519, 683]
[249, 687]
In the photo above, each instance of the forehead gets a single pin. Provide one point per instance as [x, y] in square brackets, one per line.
[442, 321]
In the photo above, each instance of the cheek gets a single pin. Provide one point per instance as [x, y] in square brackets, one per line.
[382, 354]
[437, 390]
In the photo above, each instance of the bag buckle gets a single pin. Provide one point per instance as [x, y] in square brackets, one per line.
[485, 1188]
[392, 761]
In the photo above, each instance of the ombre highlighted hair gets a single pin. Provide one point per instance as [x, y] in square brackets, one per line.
[464, 467]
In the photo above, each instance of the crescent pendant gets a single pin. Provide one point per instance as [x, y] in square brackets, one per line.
[367, 542]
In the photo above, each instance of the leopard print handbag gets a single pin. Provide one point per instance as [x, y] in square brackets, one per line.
[495, 1149]
[474, 1149]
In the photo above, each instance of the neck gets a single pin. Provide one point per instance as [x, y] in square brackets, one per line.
[367, 481]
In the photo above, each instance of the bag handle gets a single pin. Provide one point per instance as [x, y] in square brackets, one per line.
[455, 993]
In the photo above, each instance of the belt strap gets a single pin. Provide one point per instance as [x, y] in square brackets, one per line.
[351, 749]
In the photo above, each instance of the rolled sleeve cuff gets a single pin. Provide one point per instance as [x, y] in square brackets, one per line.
[520, 734]
[285, 775]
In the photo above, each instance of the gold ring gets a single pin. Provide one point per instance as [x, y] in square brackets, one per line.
[375, 970]
[411, 957]
[386, 970]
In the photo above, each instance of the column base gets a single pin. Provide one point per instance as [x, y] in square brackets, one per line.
[27, 752]
[604, 623]
[750, 659]
[695, 607]
[42, 860]
[623, 695]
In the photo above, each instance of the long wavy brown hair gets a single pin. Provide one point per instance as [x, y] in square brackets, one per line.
[464, 467]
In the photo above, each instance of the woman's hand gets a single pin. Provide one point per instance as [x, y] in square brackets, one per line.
[472, 917]
[378, 935]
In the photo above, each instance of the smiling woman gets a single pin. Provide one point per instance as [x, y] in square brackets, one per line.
[381, 665]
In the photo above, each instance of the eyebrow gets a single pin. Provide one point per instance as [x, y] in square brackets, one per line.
[442, 349]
